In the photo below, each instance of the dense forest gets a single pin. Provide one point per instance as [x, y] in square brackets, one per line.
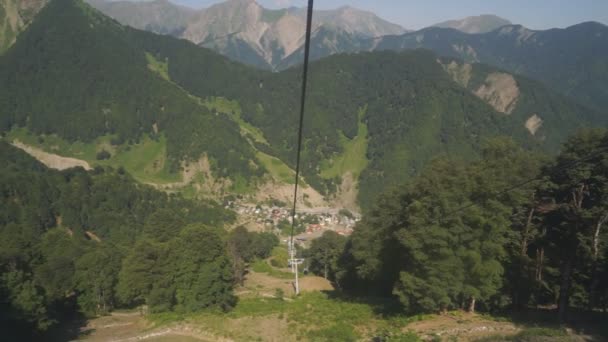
[456, 216]
[78, 74]
[89, 242]
[413, 109]
[514, 230]
[510, 232]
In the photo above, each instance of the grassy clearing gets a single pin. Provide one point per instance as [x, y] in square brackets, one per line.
[277, 169]
[233, 110]
[533, 335]
[313, 316]
[146, 160]
[161, 68]
[261, 266]
[353, 159]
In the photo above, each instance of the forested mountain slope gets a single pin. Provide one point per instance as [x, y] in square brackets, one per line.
[573, 60]
[81, 75]
[412, 104]
[373, 119]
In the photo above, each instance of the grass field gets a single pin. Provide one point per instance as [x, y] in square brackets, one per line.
[146, 160]
[313, 316]
[277, 169]
[233, 110]
[353, 159]
[161, 68]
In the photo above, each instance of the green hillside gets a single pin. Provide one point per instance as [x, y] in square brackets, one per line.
[15, 15]
[79, 74]
[572, 60]
[415, 111]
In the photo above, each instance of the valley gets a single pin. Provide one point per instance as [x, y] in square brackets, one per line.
[452, 179]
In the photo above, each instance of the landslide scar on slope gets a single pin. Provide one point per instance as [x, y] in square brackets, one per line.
[461, 74]
[500, 91]
[534, 123]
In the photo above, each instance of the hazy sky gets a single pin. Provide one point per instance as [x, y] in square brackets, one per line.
[415, 14]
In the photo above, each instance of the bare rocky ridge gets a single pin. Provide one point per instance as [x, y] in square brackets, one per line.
[475, 24]
[245, 31]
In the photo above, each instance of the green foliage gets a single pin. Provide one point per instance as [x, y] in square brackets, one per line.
[244, 247]
[96, 278]
[92, 73]
[262, 266]
[381, 116]
[103, 155]
[279, 257]
[574, 189]
[417, 243]
[200, 269]
[141, 270]
[97, 239]
[324, 254]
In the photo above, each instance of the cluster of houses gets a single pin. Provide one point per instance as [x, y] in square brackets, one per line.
[314, 221]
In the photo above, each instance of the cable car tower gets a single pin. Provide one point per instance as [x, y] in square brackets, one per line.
[293, 260]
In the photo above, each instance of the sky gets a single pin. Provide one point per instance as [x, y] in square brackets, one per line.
[416, 14]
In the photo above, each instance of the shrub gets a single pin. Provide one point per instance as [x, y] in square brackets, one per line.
[103, 155]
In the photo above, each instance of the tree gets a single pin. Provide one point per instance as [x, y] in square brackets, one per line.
[56, 273]
[26, 300]
[164, 224]
[239, 249]
[201, 270]
[96, 277]
[243, 246]
[442, 241]
[103, 155]
[142, 268]
[325, 252]
[574, 190]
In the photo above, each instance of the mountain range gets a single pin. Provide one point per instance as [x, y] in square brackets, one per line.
[573, 61]
[475, 24]
[374, 119]
[243, 30]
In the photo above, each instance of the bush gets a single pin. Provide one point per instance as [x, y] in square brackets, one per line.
[103, 155]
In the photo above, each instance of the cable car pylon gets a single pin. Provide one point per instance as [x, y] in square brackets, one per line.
[294, 261]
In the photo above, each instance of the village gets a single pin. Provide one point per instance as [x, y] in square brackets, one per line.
[311, 223]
